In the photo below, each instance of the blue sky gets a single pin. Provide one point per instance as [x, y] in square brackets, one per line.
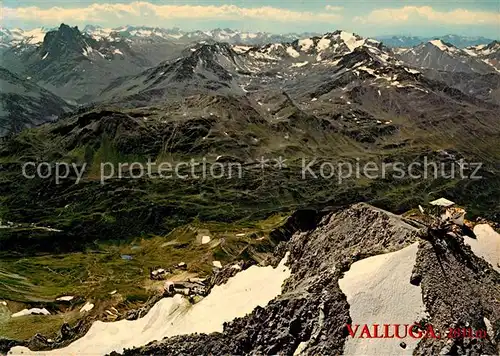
[368, 18]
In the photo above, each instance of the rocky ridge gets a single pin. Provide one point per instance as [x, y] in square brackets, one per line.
[24, 104]
[440, 55]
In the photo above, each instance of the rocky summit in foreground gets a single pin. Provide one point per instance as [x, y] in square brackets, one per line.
[458, 290]
[357, 281]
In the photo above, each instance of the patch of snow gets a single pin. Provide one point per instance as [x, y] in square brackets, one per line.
[241, 49]
[46, 55]
[32, 311]
[66, 298]
[442, 46]
[117, 51]
[141, 33]
[402, 50]
[217, 264]
[486, 244]
[335, 62]
[384, 57]
[302, 346]
[261, 55]
[323, 44]
[489, 328]
[4, 303]
[113, 292]
[372, 42]
[350, 40]
[255, 286]
[100, 33]
[306, 44]
[378, 291]
[292, 52]
[175, 36]
[367, 69]
[8, 225]
[491, 50]
[470, 52]
[300, 64]
[86, 51]
[87, 307]
[205, 239]
[47, 228]
[275, 46]
[491, 63]
[410, 70]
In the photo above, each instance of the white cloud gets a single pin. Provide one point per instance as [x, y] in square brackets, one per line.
[333, 8]
[143, 12]
[417, 13]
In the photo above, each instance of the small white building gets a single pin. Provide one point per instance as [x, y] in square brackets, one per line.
[449, 212]
[442, 202]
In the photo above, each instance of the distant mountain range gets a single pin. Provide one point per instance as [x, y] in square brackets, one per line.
[455, 40]
[12, 37]
[437, 54]
[141, 66]
[255, 147]
[75, 65]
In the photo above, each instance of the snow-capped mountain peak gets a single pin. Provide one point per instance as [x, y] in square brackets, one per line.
[484, 50]
[489, 54]
[444, 46]
[15, 37]
[325, 49]
[412, 41]
[441, 55]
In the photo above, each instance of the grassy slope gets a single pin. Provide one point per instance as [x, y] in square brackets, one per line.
[92, 275]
